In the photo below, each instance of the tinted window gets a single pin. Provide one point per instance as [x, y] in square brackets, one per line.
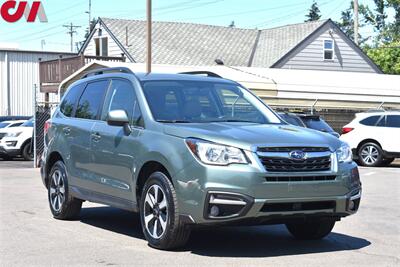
[122, 96]
[294, 120]
[70, 99]
[382, 122]
[91, 100]
[393, 121]
[317, 124]
[370, 121]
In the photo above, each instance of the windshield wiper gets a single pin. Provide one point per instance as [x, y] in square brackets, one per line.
[235, 120]
[173, 121]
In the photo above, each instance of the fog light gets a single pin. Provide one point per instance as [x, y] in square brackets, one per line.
[214, 211]
[351, 205]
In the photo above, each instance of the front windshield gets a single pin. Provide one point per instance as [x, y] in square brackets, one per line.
[201, 102]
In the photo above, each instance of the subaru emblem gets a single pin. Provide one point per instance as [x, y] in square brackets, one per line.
[297, 155]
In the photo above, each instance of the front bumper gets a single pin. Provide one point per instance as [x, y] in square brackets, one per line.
[241, 193]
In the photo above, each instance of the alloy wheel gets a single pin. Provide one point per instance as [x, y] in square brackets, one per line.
[155, 211]
[370, 154]
[57, 191]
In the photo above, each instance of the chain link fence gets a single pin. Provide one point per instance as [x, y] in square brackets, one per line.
[43, 111]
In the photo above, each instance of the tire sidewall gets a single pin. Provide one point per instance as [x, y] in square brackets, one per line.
[25, 151]
[160, 179]
[59, 165]
[379, 160]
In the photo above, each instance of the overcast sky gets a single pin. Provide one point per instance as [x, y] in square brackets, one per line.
[245, 13]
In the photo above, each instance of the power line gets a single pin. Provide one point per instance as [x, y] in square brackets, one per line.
[71, 31]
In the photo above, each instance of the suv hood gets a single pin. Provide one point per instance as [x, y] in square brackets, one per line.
[249, 136]
[16, 129]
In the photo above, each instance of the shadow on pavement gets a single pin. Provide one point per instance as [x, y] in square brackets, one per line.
[254, 241]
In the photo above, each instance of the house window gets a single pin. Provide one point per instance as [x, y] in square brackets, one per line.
[101, 46]
[328, 49]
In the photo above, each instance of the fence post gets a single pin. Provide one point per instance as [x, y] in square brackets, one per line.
[34, 126]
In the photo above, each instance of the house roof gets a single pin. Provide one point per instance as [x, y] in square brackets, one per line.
[197, 44]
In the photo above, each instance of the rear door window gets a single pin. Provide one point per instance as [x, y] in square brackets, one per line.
[393, 121]
[71, 98]
[91, 101]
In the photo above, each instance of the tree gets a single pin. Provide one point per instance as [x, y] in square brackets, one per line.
[313, 13]
[346, 22]
[92, 25]
[387, 57]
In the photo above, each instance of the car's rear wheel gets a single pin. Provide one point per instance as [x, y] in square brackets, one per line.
[62, 205]
[311, 230]
[370, 154]
[159, 214]
[27, 151]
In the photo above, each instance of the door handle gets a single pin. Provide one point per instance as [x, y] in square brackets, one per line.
[96, 137]
[67, 130]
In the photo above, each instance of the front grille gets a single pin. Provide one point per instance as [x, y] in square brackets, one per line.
[298, 206]
[300, 178]
[2, 135]
[288, 149]
[278, 164]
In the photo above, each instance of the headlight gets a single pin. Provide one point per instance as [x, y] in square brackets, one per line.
[215, 154]
[13, 134]
[344, 153]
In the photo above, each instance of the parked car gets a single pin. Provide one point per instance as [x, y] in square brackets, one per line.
[312, 121]
[10, 124]
[374, 137]
[187, 150]
[292, 119]
[17, 141]
[13, 118]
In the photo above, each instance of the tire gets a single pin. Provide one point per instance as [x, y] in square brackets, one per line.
[387, 162]
[370, 154]
[175, 233]
[27, 152]
[62, 205]
[312, 230]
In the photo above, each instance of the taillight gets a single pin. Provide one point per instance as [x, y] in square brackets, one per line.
[47, 126]
[346, 130]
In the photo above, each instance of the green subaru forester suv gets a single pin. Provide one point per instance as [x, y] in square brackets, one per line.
[189, 149]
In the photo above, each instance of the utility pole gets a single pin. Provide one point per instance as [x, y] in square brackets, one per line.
[89, 12]
[356, 21]
[149, 21]
[71, 32]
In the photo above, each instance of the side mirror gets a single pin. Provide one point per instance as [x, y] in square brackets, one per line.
[117, 117]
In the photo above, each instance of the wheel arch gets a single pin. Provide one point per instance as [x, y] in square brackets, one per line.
[51, 160]
[148, 168]
[369, 140]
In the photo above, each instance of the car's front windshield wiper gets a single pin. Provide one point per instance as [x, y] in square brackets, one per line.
[235, 120]
[173, 121]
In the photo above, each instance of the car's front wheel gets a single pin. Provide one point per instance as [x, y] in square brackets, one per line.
[27, 151]
[63, 206]
[159, 214]
[370, 155]
[311, 230]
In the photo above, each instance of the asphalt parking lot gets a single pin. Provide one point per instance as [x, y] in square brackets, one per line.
[107, 236]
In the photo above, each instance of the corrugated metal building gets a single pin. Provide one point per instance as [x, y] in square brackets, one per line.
[19, 72]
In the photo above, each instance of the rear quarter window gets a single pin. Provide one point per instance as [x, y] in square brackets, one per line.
[370, 121]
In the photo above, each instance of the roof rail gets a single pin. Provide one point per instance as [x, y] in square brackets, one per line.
[201, 72]
[107, 70]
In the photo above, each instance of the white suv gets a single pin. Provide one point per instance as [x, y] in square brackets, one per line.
[374, 137]
[17, 141]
